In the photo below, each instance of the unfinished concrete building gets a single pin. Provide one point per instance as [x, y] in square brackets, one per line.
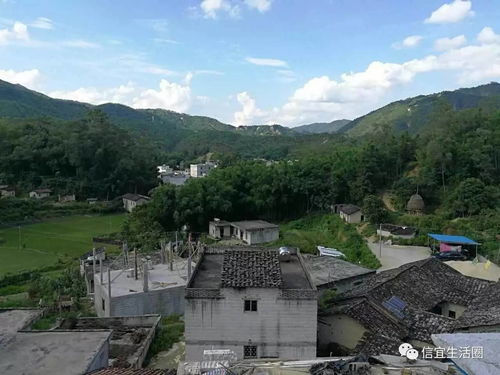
[253, 302]
[146, 289]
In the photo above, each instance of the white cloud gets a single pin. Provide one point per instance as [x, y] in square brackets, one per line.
[261, 5]
[165, 41]
[445, 44]
[43, 23]
[96, 96]
[79, 43]
[488, 36]
[210, 8]
[26, 78]
[452, 12]
[172, 96]
[409, 42]
[356, 93]
[250, 113]
[266, 62]
[18, 32]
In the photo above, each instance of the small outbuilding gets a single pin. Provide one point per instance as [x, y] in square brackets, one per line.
[219, 229]
[350, 213]
[7, 191]
[255, 231]
[40, 193]
[396, 231]
[131, 201]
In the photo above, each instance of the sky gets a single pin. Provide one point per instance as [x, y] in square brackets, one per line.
[247, 62]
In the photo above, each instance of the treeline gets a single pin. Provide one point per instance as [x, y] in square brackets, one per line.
[455, 167]
[89, 158]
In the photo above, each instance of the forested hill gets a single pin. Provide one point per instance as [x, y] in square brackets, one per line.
[322, 127]
[415, 114]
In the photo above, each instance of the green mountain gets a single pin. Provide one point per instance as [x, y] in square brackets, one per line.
[322, 127]
[272, 130]
[415, 114]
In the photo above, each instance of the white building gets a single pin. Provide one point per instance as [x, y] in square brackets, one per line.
[350, 213]
[131, 201]
[202, 169]
[250, 232]
[7, 191]
[40, 193]
[252, 302]
[164, 169]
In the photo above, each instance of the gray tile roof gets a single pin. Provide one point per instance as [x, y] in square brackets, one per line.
[253, 225]
[349, 209]
[420, 286]
[251, 269]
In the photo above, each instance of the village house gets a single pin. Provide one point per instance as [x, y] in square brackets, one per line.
[253, 302]
[330, 273]
[250, 232]
[350, 213]
[146, 289]
[405, 304]
[40, 193]
[131, 201]
[7, 191]
[201, 169]
[92, 200]
[396, 231]
[67, 198]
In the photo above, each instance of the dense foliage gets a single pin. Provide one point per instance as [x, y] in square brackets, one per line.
[89, 158]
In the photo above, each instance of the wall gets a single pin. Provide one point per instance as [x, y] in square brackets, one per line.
[261, 236]
[280, 328]
[166, 301]
[343, 285]
[353, 218]
[101, 359]
[447, 306]
[340, 329]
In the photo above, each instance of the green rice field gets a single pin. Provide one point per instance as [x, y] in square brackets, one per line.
[43, 244]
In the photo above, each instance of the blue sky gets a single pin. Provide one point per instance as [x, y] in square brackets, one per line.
[249, 61]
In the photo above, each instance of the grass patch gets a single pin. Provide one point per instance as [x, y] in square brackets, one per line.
[17, 300]
[170, 331]
[44, 244]
[330, 231]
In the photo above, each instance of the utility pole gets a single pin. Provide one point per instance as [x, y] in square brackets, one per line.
[380, 241]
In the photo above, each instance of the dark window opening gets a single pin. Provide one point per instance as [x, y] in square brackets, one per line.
[250, 305]
[250, 351]
[437, 310]
[452, 314]
[103, 304]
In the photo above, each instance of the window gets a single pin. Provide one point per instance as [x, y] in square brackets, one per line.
[250, 305]
[249, 351]
[103, 304]
[452, 314]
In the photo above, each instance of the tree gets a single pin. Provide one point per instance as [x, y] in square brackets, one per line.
[373, 209]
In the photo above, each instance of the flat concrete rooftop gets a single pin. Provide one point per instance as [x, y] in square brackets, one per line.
[209, 271]
[160, 277]
[51, 352]
[12, 321]
[326, 269]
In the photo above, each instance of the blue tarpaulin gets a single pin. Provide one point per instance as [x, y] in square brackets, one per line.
[461, 240]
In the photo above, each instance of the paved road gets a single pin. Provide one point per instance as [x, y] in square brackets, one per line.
[394, 256]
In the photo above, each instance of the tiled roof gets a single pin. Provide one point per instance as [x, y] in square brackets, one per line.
[419, 286]
[251, 269]
[484, 309]
[135, 197]
[253, 225]
[131, 371]
[349, 209]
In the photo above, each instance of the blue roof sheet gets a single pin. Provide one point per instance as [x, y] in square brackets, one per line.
[452, 239]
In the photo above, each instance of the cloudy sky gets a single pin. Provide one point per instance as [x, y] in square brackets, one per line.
[249, 61]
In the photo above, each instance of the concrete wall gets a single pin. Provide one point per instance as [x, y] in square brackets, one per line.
[166, 301]
[446, 307]
[340, 329]
[261, 236]
[279, 328]
[353, 218]
[343, 285]
[100, 360]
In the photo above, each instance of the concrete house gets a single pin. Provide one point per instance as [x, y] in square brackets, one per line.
[219, 229]
[334, 273]
[7, 191]
[252, 302]
[40, 193]
[405, 304]
[131, 201]
[350, 213]
[255, 231]
[67, 198]
[154, 289]
[201, 169]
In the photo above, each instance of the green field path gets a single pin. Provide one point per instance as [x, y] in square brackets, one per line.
[42, 244]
